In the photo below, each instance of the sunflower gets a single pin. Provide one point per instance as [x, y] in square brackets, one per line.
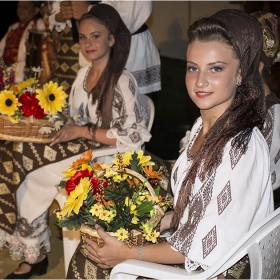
[8, 103]
[52, 98]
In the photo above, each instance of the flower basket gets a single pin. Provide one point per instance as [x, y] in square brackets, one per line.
[29, 112]
[136, 237]
[123, 198]
[27, 130]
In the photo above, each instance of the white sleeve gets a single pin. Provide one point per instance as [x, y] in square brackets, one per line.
[272, 125]
[128, 125]
[133, 13]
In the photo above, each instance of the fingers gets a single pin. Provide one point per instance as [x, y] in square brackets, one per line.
[101, 232]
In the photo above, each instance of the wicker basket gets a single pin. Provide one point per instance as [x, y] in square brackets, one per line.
[27, 130]
[134, 237]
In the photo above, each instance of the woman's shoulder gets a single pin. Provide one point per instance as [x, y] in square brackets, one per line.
[126, 79]
[126, 76]
[256, 145]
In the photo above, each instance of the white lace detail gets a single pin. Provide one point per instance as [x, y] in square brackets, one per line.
[191, 265]
[30, 246]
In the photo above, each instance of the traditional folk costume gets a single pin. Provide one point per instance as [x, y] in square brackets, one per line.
[143, 60]
[225, 203]
[271, 133]
[235, 194]
[29, 194]
[270, 24]
[13, 48]
[224, 207]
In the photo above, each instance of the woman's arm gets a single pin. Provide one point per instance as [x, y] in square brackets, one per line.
[72, 131]
[113, 252]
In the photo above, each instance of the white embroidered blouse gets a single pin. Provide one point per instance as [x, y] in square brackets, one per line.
[224, 207]
[128, 125]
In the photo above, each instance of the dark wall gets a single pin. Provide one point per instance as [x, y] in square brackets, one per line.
[8, 15]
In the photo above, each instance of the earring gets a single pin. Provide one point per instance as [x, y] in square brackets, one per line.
[239, 83]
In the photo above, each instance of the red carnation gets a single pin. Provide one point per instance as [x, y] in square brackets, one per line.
[75, 180]
[30, 105]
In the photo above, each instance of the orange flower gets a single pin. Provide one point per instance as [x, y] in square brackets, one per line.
[134, 181]
[150, 173]
[87, 156]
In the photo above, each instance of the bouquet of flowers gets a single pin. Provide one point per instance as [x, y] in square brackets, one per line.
[123, 198]
[29, 112]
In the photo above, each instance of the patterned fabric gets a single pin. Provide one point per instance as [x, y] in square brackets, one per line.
[271, 133]
[17, 160]
[12, 43]
[67, 59]
[127, 125]
[143, 60]
[37, 233]
[48, 58]
[226, 205]
[21, 50]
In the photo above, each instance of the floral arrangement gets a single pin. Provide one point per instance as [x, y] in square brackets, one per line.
[122, 198]
[28, 100]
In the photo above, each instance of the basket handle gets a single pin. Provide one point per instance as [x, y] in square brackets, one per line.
[159, 213]
[140, 177]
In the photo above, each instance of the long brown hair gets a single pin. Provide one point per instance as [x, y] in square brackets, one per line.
[103, 91]
[236, 123]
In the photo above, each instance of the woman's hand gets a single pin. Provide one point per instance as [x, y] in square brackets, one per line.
[112, 253]
[166, 220]
[68, 132]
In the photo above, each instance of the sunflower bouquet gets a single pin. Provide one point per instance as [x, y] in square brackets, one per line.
[29, 112]
[123, 198]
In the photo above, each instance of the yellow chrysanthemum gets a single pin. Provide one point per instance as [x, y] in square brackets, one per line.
[96, 209]
[76, 198]
[111, 216]
[25, 84]
[8, 103]
[107, 216]
[52, 98]
[144, 160]
[154, 236]
[121, 234]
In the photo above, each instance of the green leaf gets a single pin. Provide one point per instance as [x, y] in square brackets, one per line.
[62, 184]
[135, 164]
[157, 189]
[144, 208]
[114, 195]
[73, 222]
